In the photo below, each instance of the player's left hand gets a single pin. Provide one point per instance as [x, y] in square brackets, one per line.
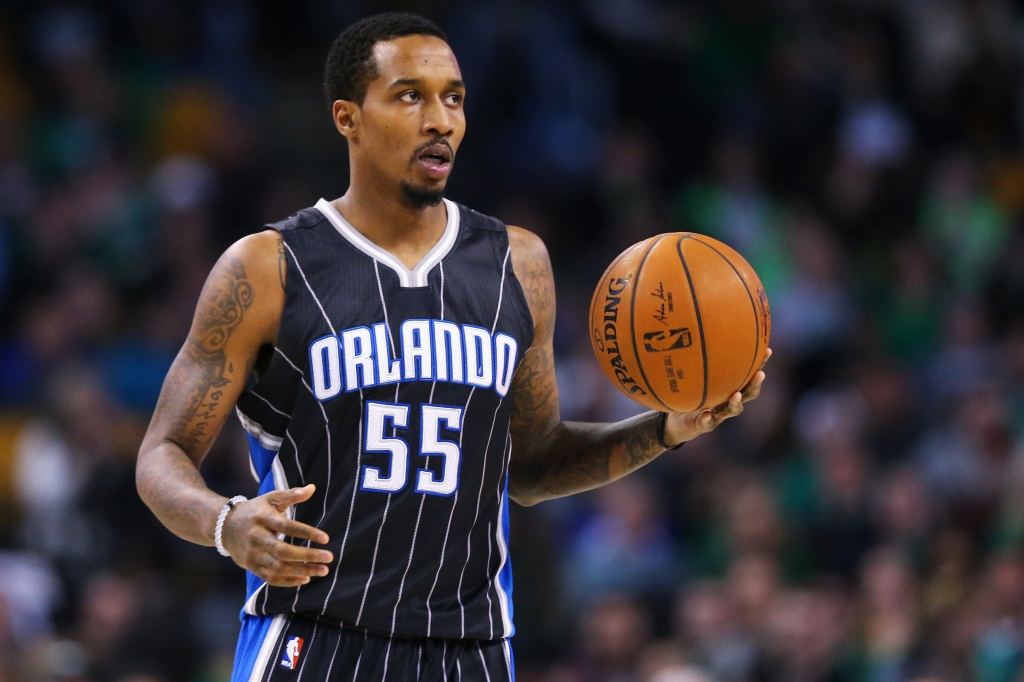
[683, 426]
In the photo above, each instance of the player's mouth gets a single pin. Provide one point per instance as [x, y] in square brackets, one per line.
[436, 160]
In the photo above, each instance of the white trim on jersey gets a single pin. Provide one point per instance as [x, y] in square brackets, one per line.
[506, 455]
[417, 277]
[250, 603]
[255, 430]
[440, 267]
[503, 553]
[270, 641]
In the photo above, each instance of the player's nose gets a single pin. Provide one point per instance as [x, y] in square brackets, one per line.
[437, 119]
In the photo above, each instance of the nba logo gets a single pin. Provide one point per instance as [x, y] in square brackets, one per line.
[291, 653]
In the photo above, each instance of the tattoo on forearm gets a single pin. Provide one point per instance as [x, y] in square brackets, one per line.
[226, 297]
[585, 456]
[641, 443]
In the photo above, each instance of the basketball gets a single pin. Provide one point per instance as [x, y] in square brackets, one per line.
[679, 322]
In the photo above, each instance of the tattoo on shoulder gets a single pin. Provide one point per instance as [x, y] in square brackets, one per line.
[533, 270]
[226, 297]
[225, 300]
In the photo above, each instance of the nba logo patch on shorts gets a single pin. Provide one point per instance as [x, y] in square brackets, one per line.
[291, 653]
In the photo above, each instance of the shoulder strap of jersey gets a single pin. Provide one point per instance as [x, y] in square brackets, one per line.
[475, 220]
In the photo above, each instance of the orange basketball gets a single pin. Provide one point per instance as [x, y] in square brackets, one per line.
[679, 322]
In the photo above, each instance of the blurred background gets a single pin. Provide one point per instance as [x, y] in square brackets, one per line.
[862, 522]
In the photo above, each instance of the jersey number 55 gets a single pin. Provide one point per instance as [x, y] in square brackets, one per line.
[375, 441]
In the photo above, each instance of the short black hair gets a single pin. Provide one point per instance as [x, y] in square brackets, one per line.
[350, 66]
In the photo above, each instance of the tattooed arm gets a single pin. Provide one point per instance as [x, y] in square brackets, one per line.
[239, 312]
[552, 458]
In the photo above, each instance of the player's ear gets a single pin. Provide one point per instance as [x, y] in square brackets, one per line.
[346, 117]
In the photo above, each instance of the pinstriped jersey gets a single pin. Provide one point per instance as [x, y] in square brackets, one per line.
[389, 389]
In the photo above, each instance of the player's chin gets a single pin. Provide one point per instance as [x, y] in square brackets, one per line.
[419, 194]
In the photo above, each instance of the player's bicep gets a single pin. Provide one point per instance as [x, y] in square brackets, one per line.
[209, 372]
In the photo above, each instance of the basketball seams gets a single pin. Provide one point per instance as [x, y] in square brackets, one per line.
[700, 323]
[753, 307]
[632, 325]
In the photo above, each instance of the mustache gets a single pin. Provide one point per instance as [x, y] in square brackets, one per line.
[436, 140]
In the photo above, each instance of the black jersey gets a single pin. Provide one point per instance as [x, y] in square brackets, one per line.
[389, 389]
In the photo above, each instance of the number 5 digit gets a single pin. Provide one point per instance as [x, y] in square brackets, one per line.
[430, 444]
[377, 417]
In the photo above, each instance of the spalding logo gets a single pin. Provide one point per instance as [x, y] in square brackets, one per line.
[607, 340]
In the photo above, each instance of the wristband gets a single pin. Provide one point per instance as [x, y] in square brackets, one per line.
[218, 530]
[662, 419]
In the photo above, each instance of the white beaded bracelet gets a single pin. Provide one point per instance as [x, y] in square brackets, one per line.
[218, 530]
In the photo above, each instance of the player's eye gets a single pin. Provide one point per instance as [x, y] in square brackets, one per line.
[454, 98]
[410, 96]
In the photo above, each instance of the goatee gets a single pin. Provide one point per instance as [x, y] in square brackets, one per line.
[421, 197]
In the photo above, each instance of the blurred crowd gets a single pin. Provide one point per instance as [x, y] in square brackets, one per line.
[863, 521]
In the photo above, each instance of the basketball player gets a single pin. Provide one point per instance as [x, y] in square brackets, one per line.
[390, 357]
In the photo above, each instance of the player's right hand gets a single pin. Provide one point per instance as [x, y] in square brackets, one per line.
[250, 536]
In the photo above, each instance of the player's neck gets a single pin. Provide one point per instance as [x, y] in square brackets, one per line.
[389, 222]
